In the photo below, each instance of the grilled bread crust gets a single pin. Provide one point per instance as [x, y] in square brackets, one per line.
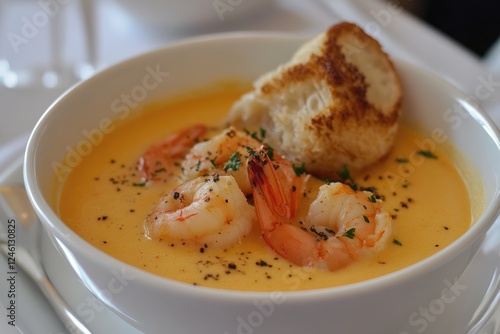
[336, 103]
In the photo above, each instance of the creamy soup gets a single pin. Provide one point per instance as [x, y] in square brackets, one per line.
[104, 201]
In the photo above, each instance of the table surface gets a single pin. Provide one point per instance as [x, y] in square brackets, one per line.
[118, 36]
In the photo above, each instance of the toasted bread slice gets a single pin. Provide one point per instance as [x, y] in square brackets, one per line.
[336, 103]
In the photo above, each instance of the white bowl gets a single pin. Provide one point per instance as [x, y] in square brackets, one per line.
[388, 304]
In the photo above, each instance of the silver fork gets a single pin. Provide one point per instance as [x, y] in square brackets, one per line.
[23, 248]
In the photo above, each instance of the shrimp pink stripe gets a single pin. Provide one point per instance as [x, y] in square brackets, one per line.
[174, 146]
[181, 219]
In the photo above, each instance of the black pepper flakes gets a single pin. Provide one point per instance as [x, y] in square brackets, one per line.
[211, 276]
[262, 263]
[216, 177]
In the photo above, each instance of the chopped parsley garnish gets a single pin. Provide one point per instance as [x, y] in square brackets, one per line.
[270, 152]
[251, 152]
[258, 136]
[401, 160]
[344, 174]
[299, 170]
[397, 242]
[156, 172]
[265, 151]
[327, 180]
[427, 154]
[262, 132]
[372, 199]
[366, 219]
[233, 163]
[350, 233]
[142, 184]
[345, 177]
[213, 162]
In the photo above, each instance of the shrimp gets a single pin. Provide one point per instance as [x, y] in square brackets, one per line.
[159, 158]
[209, 210]
[226, 154]
[347, 224]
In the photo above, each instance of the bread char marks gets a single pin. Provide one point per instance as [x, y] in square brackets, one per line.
[346, 83]
[335, 103]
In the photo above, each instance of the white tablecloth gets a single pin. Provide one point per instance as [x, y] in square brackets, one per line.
[118, 36]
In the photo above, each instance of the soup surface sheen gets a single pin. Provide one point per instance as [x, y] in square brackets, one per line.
[102, 200]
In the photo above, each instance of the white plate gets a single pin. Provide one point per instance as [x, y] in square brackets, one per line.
[32, 312]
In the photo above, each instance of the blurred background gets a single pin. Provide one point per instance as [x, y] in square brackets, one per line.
[474, 24]
[48, 45]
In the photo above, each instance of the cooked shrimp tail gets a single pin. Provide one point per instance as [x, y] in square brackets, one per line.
[348, 224]
[157, 161]
[274, 213]
[265, 180]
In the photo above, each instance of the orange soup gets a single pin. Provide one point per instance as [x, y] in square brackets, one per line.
[104, 202]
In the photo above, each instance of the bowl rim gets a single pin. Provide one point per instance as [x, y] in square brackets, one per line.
[62, 232]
